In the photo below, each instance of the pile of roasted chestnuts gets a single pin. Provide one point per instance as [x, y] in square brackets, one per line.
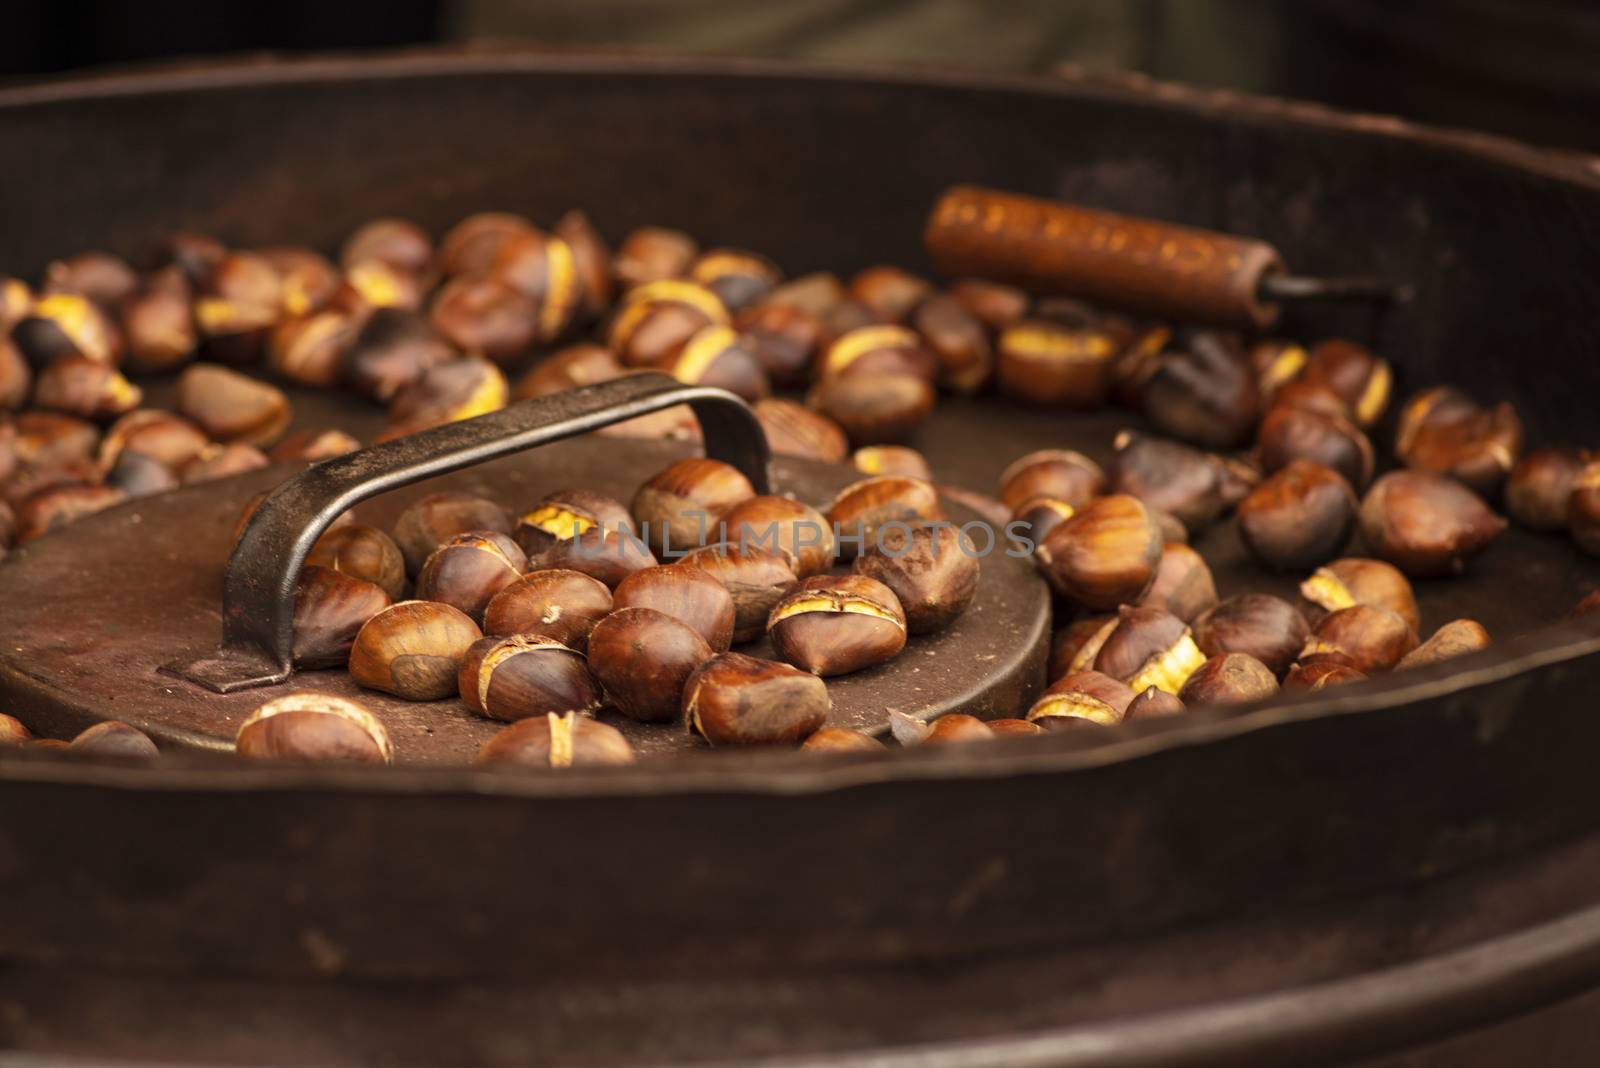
[541, 614]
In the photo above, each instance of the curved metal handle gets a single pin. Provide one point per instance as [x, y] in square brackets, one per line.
[258, 595]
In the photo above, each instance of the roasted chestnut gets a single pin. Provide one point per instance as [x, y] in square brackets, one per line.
[16, 377]
[567, 513]
[755, 577]
[542, 268]
[158, 324]
[642, 658]
[469, 569]
[1268, 628]
[1035, 518]
[1228, 679]
[56, 506]
[1358, 581]
[1149, 647]
[1191, 485]
[471, 245]
[1105, 555]
[1477, 446]
[232, 407]
[956, 728]
[1456, 638]
[1276, 362]
[306, 279]
[891, 460]
[159, 435]
[1539, 488]
[525, 675]
[933, 571]
[100, 276]
[591, 258]
[313, 445]
[1153, 703]
[400, 243]
[15, 301]
[1426, 524]
[552, 741]
[314, 726]
[1360, 379]
[222, 461]
[362, 552]
[62, 324]
[1299, 517]
[447, 392]
[330, 608]
[783, 525]
[573, 366]
[86, 388]
[996, 305]
[413, 650]
[50, 440]
[1205, 394]
[1011, 726]
[841, 740]
[1074, 647]
[559, 604]
[1082, 697]
[1320, 671]
[653, 253]
[734, 699]
[393, 349]
[1289, 434]
[657, 319]
[687, 594]
[438, 517]
[1583, 509]
[862, 510]
[676, 509]
[879, 349]
[607, 555]
[1183, 584]
[784, 338]
[1060, 474]
[1051, 364]
[485, 317]
[239, 301]
[833, 626]
[310, 349]
[1375, 639]
[737, 277]
[116, 739]
[889, 292]
[874, 408]
[716, 356]
[958, 340]
[12, 732]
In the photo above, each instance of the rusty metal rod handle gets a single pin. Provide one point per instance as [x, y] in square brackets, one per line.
[1158, 268]
[259, 590]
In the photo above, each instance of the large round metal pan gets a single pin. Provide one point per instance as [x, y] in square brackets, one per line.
[1332, 876]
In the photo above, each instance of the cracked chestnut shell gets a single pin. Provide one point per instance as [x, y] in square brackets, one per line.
[1083, 697]
[543, 269]
[716, 356]
[470, 246]
[738, 277]
[1268, 628]
[1539, 488]
[686, 593]
[559, 604]
[567, 513]
[784, 525]
[1228, 679]
[756, 579]
[676, 509]
[835, 625]
[61, 324]
[1148, 647]
[89, 389]
[1035, 518]
[1456, 638]
[1476, 446]
[523, 675]
[362, 552]
[469, 569]
[591, 259]
[390, 353]
[1055, 364]
[1059, 474]
[1374, 639]
[1426, 524]
[995, 304]
[642, 658]
[435, 519]
[1361, 380]
[657, 319]
[1355, 580]
[314, 726]
[932, 570]
[863, 510]
[330, 608]
[1205, 393]
[1299, 517]
[413, 650]
[734, 699]
[1191, 485]
[607, 555]
[1288, 434]
[557, 741]
[1106, 554]
[114, 738]
[879, 349]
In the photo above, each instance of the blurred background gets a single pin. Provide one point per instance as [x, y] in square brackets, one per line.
[1528, 68]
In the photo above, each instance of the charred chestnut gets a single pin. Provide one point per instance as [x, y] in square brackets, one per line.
[687, 594]
[392, 350]
[642, 658]
[734, 699]
[469, 569]
[1426, 524]
[1375, 639]
[933, 571]
[552, 741]
[413, 650]
[833, 626]
[314, 726]
[1268, 628]
[525, 675]
[1105, 555]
